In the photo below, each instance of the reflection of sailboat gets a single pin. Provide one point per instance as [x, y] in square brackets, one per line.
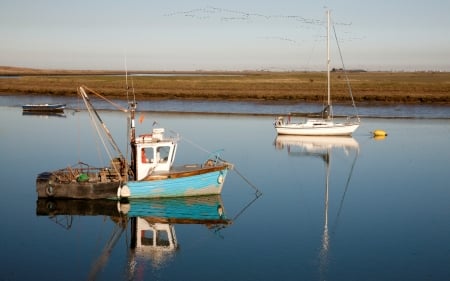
[152, 222]
[320, 147]
[312, 145]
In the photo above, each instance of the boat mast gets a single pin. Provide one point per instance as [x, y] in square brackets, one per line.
[132, 109]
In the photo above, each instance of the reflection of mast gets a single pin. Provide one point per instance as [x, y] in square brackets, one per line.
[103, 259]
[323, 255]
[320, 147]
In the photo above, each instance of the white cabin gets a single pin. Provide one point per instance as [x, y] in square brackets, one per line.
[154, 153]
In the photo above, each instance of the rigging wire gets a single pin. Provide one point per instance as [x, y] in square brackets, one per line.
[346, 74]
[118, 106]
[97, 129]
[96, 123]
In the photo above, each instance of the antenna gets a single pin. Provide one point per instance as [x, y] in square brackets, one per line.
[126, 76]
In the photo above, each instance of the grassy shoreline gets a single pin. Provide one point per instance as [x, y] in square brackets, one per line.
[380, 87]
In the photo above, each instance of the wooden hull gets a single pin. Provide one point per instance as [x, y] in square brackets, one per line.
[47, 186]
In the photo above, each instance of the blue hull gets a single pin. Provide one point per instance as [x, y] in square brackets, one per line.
[195, 185]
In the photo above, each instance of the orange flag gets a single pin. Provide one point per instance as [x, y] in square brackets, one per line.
[141, 118]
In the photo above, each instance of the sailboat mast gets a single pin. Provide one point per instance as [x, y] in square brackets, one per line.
[328, 59]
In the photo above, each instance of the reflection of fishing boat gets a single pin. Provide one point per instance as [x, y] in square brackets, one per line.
[321, 147]
[324, 124]
[187, 210]
[153, 237]
[152, 223]
[44, 107]
[150, 173]
[44, 114]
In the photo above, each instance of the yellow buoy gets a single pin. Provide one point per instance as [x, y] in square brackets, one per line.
[379, 133]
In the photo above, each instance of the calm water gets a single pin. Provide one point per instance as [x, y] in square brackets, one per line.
[384, 214]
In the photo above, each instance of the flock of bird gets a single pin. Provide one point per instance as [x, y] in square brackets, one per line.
[236, 15]
[228, 15]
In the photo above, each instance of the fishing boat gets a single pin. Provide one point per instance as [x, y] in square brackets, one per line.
[323, 125]
[44, 107]
[150, 173]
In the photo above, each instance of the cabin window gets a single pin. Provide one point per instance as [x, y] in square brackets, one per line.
[155, 238]
[147, 155]
[162, 154]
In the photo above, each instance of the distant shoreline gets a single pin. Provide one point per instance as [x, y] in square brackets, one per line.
[367, 87]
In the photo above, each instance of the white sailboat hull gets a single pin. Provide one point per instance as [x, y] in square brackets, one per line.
[317, 128]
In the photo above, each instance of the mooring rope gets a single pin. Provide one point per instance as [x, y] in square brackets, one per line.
[258, 193]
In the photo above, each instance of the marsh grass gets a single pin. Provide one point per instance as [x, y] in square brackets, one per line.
[389, 87]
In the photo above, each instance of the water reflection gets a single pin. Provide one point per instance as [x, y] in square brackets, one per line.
[321, 147]
[44, 114]
[151, 223]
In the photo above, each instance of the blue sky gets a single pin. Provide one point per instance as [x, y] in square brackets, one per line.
[224, 35]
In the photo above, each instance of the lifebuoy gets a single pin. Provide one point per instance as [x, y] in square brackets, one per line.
[220, 179]
[49, 190]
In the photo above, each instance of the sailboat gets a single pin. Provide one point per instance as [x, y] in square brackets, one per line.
[324, 126]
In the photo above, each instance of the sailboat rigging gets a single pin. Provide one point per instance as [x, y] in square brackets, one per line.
[324, 126]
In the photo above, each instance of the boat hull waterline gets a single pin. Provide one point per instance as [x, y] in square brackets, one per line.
[206, 181]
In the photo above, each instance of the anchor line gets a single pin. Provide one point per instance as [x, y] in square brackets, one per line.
[257, 192]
